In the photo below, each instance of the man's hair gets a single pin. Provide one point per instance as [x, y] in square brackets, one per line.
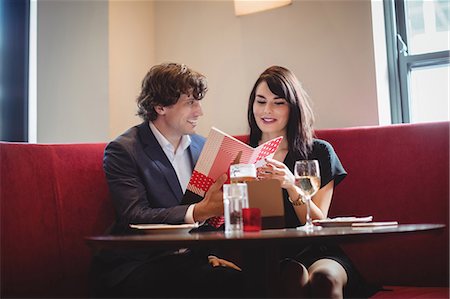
[163, 85]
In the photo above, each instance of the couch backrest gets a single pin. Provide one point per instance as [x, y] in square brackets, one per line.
[398, 172]
[52, 196]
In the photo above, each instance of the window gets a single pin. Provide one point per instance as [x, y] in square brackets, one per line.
[14, 17]
[417, 35]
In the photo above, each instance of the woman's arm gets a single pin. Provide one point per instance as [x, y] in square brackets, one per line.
[321, 201]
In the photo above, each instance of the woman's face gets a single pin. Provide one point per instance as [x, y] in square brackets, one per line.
[271, 112]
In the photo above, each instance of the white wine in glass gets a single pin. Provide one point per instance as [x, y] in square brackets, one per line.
[307, 179]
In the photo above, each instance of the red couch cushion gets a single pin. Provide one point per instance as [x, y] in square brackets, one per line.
[398, 172]
[412, 292]
[30, 251]
[52, 196]
[84, 205]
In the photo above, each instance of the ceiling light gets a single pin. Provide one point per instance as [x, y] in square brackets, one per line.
[245, 7]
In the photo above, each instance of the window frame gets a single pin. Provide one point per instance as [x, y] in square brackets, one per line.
[14, 40]
[400, 62]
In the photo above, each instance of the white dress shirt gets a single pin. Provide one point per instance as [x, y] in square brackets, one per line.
[181, 162]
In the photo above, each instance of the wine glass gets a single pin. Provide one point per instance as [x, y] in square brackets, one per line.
[307, 178]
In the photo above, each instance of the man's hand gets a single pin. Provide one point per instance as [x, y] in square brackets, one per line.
[217, 262]
[212, 204]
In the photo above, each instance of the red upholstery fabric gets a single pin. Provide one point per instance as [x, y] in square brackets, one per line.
[52, 196]
[30, 249]
[398, 172]
[412, 292]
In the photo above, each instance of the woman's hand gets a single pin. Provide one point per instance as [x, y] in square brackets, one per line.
[276, 170]
[217, 262]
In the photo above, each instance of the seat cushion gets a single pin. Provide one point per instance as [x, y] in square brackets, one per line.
[412, 292]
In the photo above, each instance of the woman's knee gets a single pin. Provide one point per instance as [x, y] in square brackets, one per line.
[324, 280]
[294, 278]
[292, 270]
[327, 280]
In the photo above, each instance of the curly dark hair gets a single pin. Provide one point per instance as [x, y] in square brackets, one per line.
[285, 84]
[163, 85]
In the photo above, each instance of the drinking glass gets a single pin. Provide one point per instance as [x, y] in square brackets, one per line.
[251, 218]
[235, 197]
[307, 178]
[241, 173]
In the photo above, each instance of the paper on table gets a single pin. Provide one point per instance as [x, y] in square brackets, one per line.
[372, 224]
[164, 226]
[342, 221]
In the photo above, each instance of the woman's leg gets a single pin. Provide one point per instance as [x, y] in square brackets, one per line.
[327, 279]
[294, 279]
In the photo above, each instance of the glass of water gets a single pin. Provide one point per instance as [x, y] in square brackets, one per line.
[235, 197]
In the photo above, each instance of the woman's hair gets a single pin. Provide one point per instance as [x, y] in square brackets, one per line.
[163, 85]
[283, 83]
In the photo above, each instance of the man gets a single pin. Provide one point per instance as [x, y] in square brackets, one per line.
[148, 169]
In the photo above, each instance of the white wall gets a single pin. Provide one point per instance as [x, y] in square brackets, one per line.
[328, 44]
[72, 71]
[92, 56]
[131, 53]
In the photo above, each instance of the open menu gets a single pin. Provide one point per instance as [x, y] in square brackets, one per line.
[219, 152]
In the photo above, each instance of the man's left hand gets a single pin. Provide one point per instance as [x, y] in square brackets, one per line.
[218, 262]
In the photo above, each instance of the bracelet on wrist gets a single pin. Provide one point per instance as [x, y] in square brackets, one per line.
[298, 202]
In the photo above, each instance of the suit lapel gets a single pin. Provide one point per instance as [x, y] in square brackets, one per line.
[157, 155]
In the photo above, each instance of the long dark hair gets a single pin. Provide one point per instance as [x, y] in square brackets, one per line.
[283, 83]
[163, 85]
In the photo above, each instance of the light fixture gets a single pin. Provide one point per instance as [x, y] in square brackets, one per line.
[245, 7]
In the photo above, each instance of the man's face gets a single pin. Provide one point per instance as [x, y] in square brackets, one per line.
[181, 119]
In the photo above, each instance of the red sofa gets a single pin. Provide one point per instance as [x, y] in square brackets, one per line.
[401, 173]
[53, 195]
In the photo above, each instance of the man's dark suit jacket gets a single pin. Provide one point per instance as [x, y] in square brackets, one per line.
[143, 184]
[144, 188]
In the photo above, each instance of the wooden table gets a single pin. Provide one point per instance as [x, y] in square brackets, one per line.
[257, 248]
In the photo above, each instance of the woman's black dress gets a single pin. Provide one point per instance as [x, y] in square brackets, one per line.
[330, 169]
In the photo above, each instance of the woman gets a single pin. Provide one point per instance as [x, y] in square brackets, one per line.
[278, 106]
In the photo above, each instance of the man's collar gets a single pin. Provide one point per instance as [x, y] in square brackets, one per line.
[162, 140]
